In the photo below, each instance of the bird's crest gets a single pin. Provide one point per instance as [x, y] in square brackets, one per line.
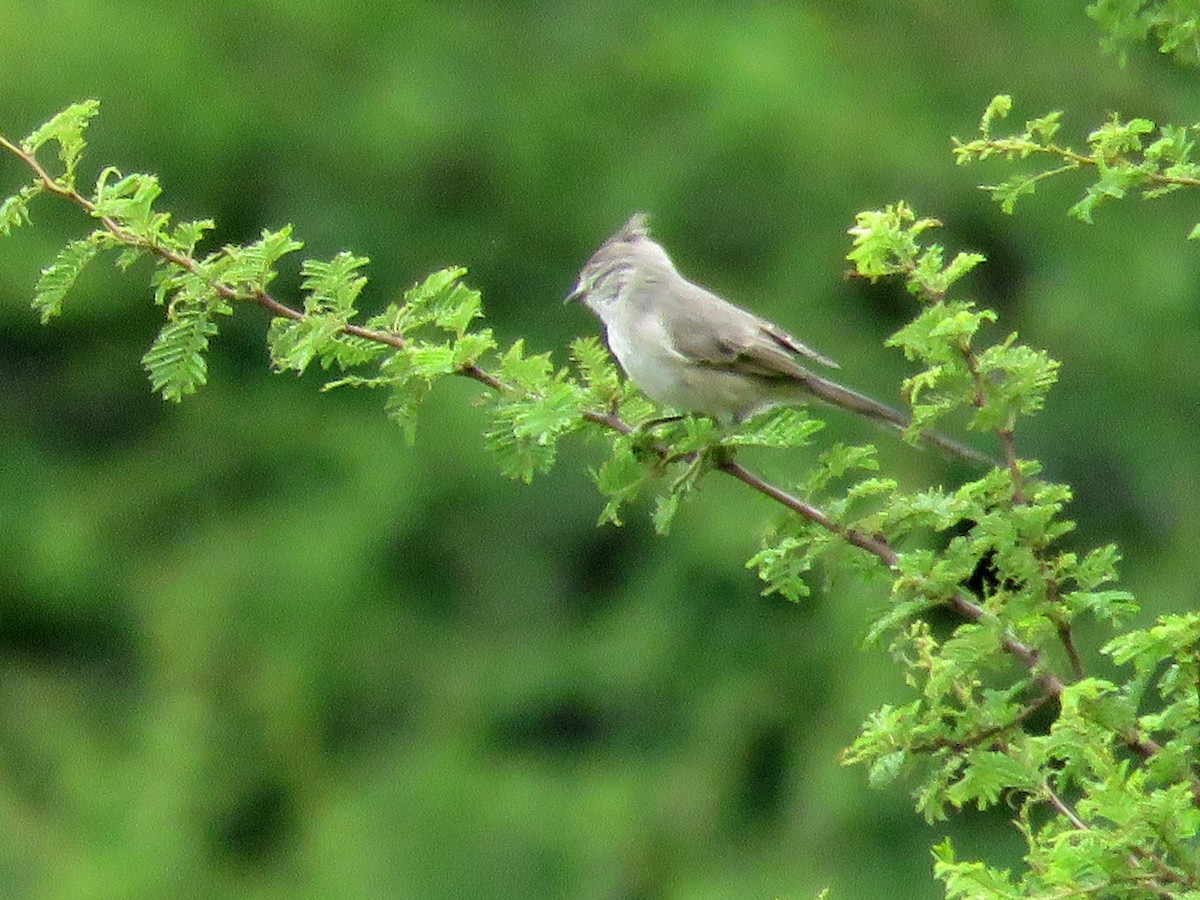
[637, 226]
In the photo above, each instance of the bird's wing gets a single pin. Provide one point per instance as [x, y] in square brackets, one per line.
[789, 342]
[710, 332]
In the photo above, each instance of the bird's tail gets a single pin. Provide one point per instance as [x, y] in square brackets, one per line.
[836, 395]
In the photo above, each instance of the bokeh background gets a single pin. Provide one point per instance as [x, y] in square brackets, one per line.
[255, 646]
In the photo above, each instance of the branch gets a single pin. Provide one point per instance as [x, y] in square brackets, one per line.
[1063, 809]
[1067, 636]
[878, 546]
[1076, 160]
[259, 297]
[985, 734]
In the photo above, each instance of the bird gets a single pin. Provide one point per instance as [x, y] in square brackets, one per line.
[692, 351]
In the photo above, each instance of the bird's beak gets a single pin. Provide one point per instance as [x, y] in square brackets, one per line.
[576, 295]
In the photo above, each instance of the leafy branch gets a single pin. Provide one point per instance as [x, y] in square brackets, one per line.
[194, 289]
[1133, 155]
[1005, 707]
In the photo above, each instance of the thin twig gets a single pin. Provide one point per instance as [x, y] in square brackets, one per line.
[985, 734]
[873, 545]
[1063, 809]
[1067, 637]
[1076, 160]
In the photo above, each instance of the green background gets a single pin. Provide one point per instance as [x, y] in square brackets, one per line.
[254, 645]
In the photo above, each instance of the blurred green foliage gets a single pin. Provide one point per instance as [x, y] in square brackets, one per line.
[254, 645]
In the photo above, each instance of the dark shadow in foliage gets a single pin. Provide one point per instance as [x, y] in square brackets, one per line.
[90, 638]
[596, 564]
[764, 770]
[885, 302]
[561, 726]
[1001, 284]
[423, 568]
[353, 717]
[1115, 505]
[231, 485]
[60, 386]
[257, 824]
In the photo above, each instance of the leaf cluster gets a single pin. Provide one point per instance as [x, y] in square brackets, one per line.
[1173, 24]
[1124, 156]
[1101, 773]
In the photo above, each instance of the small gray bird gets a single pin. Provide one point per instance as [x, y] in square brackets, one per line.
[688, 349]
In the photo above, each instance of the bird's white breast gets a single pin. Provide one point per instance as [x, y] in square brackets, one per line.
[643, 347]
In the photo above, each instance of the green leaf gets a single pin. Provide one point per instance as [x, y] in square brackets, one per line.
[14, 211]
[1171, 636]
[129, 201]
[886, 768]
[600, 376]
[555, 412]
[520, 457]
[972, 880]
[1012, 189]
[960, 266]
[532, 414]
[332, 286]
[941, 332]
[274, 245]
[987, 776]
[186, 235]
[1098, 567]
[1110, 606]
[620, 478]
[1116, 138]
[429, 360]
[251, 268]
[1045, 127]
[1173, 146]
[403, 402]
[1113, 183]
[458, 306]
[128, 256]
[441, 300]
[295, 343]
[66, 128]
[998, 108]
[784, 565]
[525, 373]
[885, 241]
[59, 277]
[471, 346]
[697, 464]
[872, 487]
[665, 508]
[175, 361]
[1018, 377]
[898, 615]
[843, 458]
[780, 428]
